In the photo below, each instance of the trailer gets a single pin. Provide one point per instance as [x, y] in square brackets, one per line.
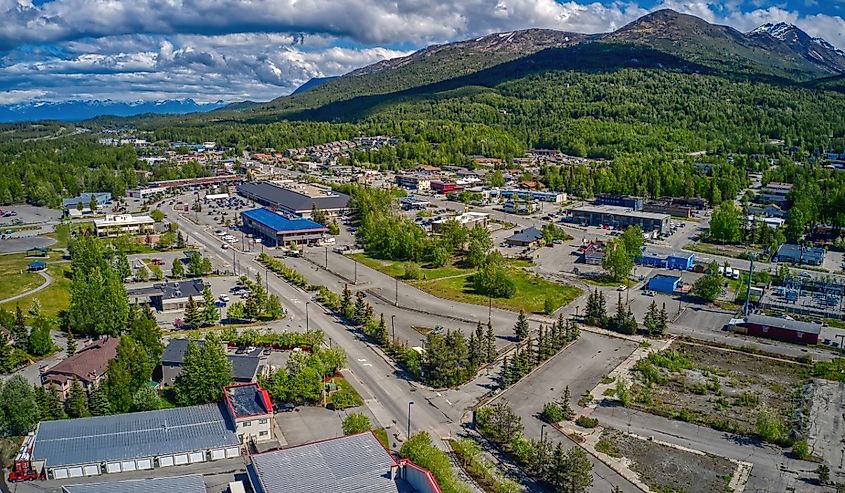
[22, 469]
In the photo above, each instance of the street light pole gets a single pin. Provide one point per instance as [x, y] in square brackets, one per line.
[410, 403]
[307, 318]
[327, 258]
[356, 271]
[489, 309]
[393, 326]
[397, 293]
[542, 433]
[267, 280]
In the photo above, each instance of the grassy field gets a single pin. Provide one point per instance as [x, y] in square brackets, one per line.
[14, 276]
[54, 298]
[453, 283]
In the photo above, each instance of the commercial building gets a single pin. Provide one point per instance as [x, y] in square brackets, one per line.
[251, 411]
[98, 445]
[413, 182]
[88, 366]
[445, 187]
[674, 261]
[295, 198]
[592, 253]
[525, 194]
[664, 284]
[410, 203]
[277, 229]
[246, 367]
[523, 208]
[628, 201]
[667, 208]
[349, 464]
[144, 193]
[620, 217]
[782, 329]
[101, 199]
[467, 220]
[168, 296]
[801, 255]
[123, 224]
[177, 484]
[530, 236]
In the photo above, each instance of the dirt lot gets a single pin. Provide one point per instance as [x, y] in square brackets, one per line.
[666, 469]
[715, 387]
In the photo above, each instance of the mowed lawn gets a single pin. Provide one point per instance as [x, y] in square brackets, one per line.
[14, 277]
[54, 298]
[452, 282]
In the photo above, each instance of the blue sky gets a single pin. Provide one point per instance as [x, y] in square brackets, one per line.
[234, 50]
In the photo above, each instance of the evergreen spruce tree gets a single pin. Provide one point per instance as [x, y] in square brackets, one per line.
[491, 351]
[77, 401]
[381, 332]
[505, 373]
[205, 372]
[542, 349]
[98, 402]
[578, 477]
[521, 329]
[662, 322]
[565, 405]
[20, 334]
[71, 344]
[177, 270]
[6, 354]
[193, 317]
[346, 302]
[55, 408]
[650, 320]
[596, 312]
[209, 314]
[42, 400]
[359, 311]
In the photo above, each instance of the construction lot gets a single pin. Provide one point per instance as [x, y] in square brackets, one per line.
[715, 387]
[665, 468]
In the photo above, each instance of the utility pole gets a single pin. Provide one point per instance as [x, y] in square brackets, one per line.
[410, 403]
[748, 289]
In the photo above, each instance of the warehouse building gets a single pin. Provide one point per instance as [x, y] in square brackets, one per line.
[177, 484]
[98, 445]
[355, 463]
[295, 198]
[620, 217]
[626, 201]
[276, 229]
[781, 329]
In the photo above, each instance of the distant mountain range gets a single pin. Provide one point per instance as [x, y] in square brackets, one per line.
[83, 110]
[662, 39]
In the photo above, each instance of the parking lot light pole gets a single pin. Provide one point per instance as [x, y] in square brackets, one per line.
[410, 403]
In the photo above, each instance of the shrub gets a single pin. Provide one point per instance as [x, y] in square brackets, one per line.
[552, 413]
[587, 422]
[800, 450]
[355, 423]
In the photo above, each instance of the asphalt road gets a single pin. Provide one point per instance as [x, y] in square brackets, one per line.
[581, 367]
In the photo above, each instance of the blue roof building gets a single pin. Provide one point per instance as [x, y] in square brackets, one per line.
[37, 266]
[664, 284]
[277, 229]
[680, 261]
[101, 198]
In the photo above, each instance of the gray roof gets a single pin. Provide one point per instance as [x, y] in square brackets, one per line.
[244, 366]
[355, 463]
[135, 435]
[247, 400]
[801, 252]
[796, 325]
[175, 351]
[619, 211]
[182, 289]
[291, 200]
[176, 484]
[527, 235]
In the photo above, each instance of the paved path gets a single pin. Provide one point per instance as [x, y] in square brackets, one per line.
[48, 280]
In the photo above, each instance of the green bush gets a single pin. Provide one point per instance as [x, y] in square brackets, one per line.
[552, 413]
[587, 422]
[355, 423]
[423, 453]
[801, 450]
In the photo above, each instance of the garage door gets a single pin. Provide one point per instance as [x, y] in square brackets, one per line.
[91, 470]
[60, 473]
[112, 467]
[180, 459]
[197, 457]
[74, 472]
[218, 454]
[233, 452]
[165, 461]
[127, 465]
[145, 464]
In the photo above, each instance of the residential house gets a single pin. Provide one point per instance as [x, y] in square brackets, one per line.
[88, 366]
[251, 411]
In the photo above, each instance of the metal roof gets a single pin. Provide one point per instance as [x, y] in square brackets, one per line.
[801, 252]
[527, 235]
[277, 222]
[291, 199]
[355, 463]
[619, 211]
[247, 400]
[785, 323]
[177, 484]
[133, 435]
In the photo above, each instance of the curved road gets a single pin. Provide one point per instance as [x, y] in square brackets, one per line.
[48, 281]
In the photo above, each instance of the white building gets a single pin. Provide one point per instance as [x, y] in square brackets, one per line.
[120, 224]
[251, 411]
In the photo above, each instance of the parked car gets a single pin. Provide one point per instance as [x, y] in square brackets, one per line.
[224, 298]
[284, 407]
[622, 288]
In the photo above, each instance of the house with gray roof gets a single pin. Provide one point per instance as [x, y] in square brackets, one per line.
[525, 238]
[246, 367]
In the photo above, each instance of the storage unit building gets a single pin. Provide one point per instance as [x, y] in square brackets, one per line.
[782, 329]
[664, 284]
[132, 442]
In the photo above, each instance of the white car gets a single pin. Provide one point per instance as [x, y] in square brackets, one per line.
[224, 298]
[621, 288]
[224, 246]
